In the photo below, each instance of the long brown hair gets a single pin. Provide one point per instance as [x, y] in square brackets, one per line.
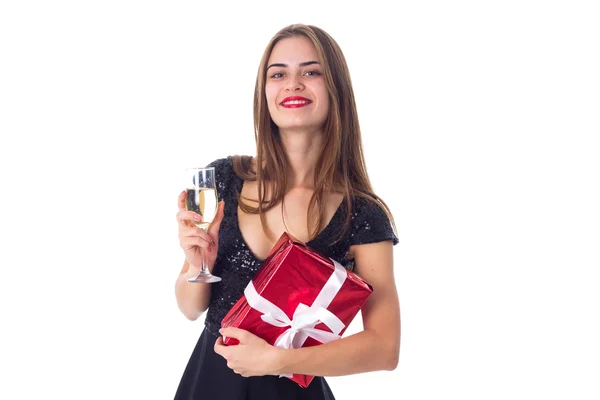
[341, 164]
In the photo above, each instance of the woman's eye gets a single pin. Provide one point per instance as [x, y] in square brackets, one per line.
[313, 73]
[277, 75]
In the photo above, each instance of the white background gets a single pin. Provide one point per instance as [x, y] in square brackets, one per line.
[479, 120]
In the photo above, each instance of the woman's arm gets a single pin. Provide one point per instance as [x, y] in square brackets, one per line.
[192, 298]
[375, 348]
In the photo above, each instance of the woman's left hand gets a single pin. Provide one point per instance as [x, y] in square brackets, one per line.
[251, 357]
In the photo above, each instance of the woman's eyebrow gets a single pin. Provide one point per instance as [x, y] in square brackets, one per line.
[302, 64]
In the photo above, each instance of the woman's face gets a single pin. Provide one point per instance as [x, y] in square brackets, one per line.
[295, 87]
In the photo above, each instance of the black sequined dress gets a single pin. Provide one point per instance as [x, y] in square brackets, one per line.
[207, 375]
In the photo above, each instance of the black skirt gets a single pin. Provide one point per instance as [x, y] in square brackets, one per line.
[207, 377]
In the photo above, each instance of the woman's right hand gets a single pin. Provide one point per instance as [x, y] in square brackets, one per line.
[192, 239]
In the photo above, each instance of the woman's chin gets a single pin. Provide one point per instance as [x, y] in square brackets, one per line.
[301, 128]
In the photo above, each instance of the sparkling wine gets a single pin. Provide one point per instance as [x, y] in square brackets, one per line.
[204, 202]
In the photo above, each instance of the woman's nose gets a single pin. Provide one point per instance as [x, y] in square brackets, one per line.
[294, 84]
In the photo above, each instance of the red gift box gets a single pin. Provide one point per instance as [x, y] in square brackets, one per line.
[298, 298]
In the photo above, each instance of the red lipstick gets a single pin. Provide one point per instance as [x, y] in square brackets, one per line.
[295, 102]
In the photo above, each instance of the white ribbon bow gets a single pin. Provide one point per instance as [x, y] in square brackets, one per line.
[305, 318]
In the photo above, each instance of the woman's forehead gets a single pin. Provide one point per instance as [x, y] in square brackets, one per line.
[293, 51]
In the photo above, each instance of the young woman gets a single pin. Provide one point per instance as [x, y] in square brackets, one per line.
[308, 178]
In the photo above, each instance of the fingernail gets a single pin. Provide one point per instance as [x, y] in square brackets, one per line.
[197, 217]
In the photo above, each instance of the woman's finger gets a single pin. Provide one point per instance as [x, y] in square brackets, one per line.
[184, 217]
[181, 201]
[190, 242]
[214, 227]
[194, 231]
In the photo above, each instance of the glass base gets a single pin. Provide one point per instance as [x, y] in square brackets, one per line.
[205, 277]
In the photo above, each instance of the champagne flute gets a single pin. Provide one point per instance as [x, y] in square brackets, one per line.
[201, 197]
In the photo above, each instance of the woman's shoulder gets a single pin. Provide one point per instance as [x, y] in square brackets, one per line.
[222, 163]
[233, 164]
[239, 164]
[223, 169]
[370, 222]
[226, 176]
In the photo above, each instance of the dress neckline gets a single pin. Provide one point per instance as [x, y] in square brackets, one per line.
[328, 227]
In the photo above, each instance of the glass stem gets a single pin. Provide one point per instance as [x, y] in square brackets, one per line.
[203, 269]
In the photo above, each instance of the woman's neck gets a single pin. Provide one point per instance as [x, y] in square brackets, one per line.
[303, 149]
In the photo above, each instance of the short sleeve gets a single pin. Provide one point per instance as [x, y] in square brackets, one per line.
[370, 224]
[224, 174]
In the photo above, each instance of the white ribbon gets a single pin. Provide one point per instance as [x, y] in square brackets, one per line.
[305, 318]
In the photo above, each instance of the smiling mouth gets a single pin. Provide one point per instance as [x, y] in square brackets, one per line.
[295, 103]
